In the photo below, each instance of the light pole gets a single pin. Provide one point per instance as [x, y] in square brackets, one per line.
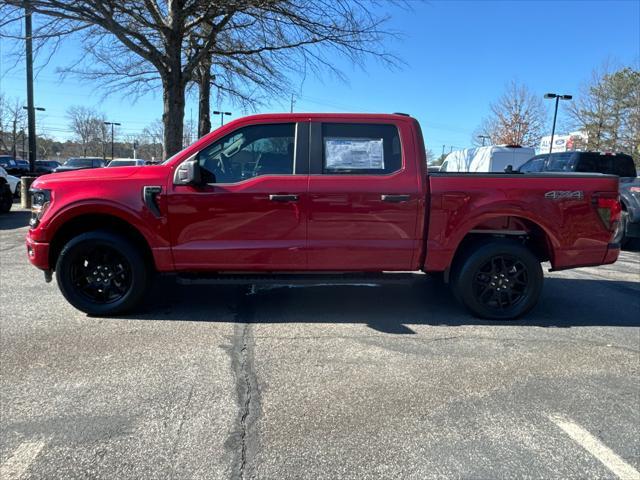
[113, 124]
[222, 114]
[558, 97]
[32, 118]
[483, 138]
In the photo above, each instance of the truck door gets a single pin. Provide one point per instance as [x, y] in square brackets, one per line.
[364, 197]
[249, 213]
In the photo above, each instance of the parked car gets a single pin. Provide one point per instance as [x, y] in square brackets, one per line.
[126, 162]
[318, 198]
[14, 182]
[81, 163]
[630, 199]
[6, 195]
[44, 167]
[619, 164]
[492, 158]
[24, 166]
[13, 166]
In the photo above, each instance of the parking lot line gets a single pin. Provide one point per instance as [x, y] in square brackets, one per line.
[595, 447]
[22, 458]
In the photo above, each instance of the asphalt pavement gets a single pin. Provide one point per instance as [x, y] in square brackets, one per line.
[319, 382]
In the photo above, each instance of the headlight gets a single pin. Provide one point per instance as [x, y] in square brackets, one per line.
[40, 201]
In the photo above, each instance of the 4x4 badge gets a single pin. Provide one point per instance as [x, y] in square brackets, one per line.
[564, 194]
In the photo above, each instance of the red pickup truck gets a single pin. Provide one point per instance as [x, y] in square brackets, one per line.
[316, 198]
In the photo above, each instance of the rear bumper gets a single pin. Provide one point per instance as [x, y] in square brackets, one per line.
[38, 253]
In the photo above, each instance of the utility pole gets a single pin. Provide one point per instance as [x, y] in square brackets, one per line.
[483, 137]
[112, 125]
[31, 114]
[293, 101]
[443, 150]
[222, 114]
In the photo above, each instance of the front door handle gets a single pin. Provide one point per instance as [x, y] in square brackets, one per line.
[283, 198]
[395, 198]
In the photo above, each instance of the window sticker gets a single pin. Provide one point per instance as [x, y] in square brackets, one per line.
[354, 153]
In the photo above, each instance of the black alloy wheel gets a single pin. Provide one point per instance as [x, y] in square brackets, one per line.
[498, 279]
[102, 273]
[501, 282]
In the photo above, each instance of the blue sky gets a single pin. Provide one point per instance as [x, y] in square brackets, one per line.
[458, 57]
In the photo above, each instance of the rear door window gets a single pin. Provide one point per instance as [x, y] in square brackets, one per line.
[360, 149]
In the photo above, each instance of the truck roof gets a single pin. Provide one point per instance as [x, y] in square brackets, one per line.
[299, 116]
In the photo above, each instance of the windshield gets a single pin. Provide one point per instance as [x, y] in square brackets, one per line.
[78, 162]
[122, 163]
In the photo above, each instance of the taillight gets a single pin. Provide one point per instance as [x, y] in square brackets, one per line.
[608, 207]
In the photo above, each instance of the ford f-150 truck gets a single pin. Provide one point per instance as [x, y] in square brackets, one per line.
[317, 198]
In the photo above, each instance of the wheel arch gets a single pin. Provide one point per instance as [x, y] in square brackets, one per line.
[526, 231]
[87, 222]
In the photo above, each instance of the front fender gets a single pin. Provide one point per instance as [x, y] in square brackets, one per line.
[151, 228]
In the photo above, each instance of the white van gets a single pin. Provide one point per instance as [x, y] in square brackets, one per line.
[493, 158]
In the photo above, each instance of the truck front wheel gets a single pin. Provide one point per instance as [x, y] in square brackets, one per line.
[498, 279]
[101, 273]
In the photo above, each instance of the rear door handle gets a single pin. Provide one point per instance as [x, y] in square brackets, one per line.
[395, 198]
[283, 198]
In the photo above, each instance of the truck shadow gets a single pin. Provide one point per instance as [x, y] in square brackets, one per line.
[393, 309]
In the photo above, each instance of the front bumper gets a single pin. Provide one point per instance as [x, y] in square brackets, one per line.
[38, 253]
[613, 250]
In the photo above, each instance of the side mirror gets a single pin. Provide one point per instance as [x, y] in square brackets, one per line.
[508, 169]
[188, 173]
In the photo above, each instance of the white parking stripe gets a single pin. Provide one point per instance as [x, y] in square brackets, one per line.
[20, 461]
[595, 447]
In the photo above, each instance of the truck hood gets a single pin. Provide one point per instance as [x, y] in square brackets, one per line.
[89, 174]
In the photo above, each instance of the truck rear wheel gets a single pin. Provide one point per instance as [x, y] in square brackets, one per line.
[101, 273]
[498, 279]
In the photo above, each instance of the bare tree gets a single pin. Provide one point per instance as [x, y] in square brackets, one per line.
[12, 123]
[154, 134]
[87, 125]
[142, 44]
[517, 118]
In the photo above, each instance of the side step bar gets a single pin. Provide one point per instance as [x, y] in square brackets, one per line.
[300, 278]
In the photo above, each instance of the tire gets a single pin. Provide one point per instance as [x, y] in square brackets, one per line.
[497, 279]
[6, 198]
[102, 274]
[18, 193]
